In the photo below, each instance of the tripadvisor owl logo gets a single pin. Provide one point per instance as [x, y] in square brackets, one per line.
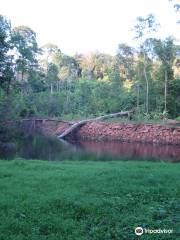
[139, 231]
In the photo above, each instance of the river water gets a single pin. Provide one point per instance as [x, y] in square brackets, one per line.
[35, 146]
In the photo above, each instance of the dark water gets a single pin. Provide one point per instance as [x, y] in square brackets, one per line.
[34, 146]
[133, 150]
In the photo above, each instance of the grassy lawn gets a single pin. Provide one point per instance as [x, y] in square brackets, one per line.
[87, 200]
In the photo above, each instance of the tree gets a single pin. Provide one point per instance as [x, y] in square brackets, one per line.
[50, 63]
[144, 28]
[125, 56]
[51, 54]
[114, 74]
[69, 65]
[6, 65]
[52, 75]
[93, 66]
[166, 52]
[25, 44]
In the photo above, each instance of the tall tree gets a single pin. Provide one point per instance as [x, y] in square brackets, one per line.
[50, 63]
[143, 29]
[125, 57]
[24, 40]
[6, 67]
[166, 52]
[51, 54]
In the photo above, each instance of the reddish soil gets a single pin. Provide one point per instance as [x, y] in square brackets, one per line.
[149, 133]
[146, 133]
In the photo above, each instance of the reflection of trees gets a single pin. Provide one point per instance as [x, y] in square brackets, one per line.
[40, 147]
[133, 150]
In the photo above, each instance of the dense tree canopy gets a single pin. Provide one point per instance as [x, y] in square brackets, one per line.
[6, 71]
[24, 42]
[47, 82]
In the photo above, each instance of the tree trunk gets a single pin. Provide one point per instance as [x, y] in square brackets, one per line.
[83, 122]
[138, 89]
[147, 85]
[51, 88]
[138, 94]
[165, 91]
[22, 76]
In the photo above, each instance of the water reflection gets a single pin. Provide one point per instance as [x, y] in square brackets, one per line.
[132, 150]
[37, 147]
[33, 146]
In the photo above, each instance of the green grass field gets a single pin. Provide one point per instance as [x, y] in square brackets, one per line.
[88, 200]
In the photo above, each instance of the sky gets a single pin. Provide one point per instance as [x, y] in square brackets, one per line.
[83, 26]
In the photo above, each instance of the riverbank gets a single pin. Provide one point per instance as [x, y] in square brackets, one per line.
[99, 130]
[144, 133]
[129, 132]
[87, 200]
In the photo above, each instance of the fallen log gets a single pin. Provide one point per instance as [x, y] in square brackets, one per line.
[83, 122]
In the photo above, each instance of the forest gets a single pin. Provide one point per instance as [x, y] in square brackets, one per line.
[45, 82]
[68, 170]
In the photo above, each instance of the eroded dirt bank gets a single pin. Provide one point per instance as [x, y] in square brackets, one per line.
[146, 133]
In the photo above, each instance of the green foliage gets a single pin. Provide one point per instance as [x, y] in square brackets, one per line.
[6, 70]
[174, 97]
[37, 81]
[24, 42]
[47, 82]
[152, 117]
